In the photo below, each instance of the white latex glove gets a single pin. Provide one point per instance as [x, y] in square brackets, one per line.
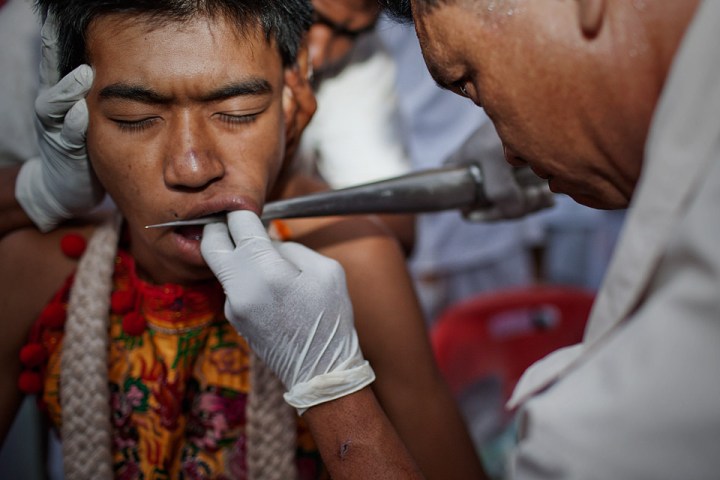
[509, 198]
[60, 183]
[292, 306]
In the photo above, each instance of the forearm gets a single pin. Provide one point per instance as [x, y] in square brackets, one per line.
[356, 440]
[12, 216]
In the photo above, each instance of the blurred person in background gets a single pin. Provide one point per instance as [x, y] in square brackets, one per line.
[380, 115]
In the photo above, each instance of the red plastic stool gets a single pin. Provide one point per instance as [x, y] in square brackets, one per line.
[500, 334]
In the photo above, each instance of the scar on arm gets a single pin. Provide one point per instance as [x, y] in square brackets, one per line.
[344, 449]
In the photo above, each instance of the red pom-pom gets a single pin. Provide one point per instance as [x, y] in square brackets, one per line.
[53, 316]
[73, 245]
[30, 382]
[122, 301]
[134, 324]
[33, 354]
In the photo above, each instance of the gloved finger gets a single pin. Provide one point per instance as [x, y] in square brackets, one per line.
[251, 238]
[244, 223]
[307, 260]
[49, 74]
[215, 238]
[53, 103]
[235, 272]
[75, 125]
[217, 249]
[316, 266]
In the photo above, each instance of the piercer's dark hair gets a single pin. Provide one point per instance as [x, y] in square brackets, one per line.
[285, 21]
[398, 10]
[401, 10]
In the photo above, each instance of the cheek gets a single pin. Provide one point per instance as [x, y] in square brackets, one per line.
[268, 147]
[115, 162]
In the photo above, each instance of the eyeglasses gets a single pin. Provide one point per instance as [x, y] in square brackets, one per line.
[341, 30]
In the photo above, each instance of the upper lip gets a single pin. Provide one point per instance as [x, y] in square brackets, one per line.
[220, 204]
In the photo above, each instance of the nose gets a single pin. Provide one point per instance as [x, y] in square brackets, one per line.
[512, 158]
[191, 159]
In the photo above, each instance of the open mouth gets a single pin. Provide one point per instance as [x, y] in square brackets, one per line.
[190, 232]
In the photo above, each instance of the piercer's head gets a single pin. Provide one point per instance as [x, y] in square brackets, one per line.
[570, 85]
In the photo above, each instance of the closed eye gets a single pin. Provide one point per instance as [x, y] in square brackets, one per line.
[135, 125]
[238, 119]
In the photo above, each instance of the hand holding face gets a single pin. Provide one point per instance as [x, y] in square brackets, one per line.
[60, 184]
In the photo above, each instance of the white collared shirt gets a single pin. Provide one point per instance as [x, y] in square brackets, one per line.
[640, 397]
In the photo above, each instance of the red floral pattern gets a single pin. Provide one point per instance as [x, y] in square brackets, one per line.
[179, 379]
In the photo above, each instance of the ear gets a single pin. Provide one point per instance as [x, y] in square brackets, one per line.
[298, 100]
[298, 96]
[592, 13]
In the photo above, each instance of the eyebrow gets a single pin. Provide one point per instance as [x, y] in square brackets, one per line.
[138, 93]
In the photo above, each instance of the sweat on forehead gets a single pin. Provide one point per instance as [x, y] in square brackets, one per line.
[282, 21]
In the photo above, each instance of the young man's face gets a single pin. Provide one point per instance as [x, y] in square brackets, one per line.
[574, 109]
[186, 119]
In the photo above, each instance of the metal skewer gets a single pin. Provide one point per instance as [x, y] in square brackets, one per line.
[418, 192]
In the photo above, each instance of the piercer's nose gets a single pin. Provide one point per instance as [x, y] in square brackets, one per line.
[191, 159]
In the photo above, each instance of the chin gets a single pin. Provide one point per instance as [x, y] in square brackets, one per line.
[181, 274]
[173, 258]
[599, 202]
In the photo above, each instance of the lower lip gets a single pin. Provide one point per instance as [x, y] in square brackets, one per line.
[189, 247]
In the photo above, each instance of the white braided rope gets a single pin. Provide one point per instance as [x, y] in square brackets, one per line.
[271, 428]
[85, 395]
[84, 391]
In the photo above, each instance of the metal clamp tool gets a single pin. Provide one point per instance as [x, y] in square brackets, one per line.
[424, 191]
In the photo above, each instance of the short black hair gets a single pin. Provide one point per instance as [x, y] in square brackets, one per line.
[285, 21]
[401, 10]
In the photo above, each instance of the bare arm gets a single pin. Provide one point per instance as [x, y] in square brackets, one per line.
[393, 338]
[33, 269]
[356, 440]
[12, 216]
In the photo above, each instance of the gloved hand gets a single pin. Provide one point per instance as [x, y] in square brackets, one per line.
[501, 181]
[60, 184]
[292, 306]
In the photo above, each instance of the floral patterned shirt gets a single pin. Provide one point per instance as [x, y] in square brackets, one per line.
[179, 380]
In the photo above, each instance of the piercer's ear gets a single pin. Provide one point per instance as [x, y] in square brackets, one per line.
[592, 13]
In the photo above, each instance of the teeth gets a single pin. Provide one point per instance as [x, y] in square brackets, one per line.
[197, 237]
